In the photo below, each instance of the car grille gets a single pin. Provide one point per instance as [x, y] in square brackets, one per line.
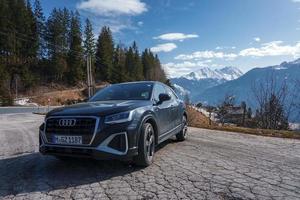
[84, 127]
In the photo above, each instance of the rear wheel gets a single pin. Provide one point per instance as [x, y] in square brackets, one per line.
[182, 135]
[146, 146]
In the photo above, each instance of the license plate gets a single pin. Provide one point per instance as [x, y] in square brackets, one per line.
[59, 139]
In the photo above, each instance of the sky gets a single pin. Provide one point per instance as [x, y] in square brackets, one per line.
[190, 34]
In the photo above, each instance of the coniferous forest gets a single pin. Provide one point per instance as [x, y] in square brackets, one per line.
[35, 50]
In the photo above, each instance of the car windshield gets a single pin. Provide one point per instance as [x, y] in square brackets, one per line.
[128, 91]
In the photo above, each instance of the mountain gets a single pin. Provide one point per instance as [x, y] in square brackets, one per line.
[226, 73]
[242, 87]
[197, 82]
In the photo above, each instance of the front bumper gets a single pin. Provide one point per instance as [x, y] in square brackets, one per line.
[110, 142]
[84, 152]
[103, 151]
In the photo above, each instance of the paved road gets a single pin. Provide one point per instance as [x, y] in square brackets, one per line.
[209, 165]
[25, 109]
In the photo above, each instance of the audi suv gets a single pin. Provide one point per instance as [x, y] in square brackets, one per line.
[121, 121]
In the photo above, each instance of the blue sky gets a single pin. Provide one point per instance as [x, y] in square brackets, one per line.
[190, 34]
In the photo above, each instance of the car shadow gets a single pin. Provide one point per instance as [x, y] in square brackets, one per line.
[36, 173]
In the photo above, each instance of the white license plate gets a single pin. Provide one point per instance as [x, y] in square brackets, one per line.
[60, 139]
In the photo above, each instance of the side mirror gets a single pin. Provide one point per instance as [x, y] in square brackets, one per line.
[164, 97]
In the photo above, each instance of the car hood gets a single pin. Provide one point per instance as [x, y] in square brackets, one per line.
[98, 108]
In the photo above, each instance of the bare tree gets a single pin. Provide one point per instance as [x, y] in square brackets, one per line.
[244, 107]
[210, 109]
[274, 103]
[229, 101]
[296, 97]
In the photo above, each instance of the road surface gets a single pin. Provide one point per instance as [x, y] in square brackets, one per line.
[209, 165]
[25, 109]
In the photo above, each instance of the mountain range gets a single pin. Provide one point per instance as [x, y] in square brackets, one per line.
[211, 86]
[197, 82]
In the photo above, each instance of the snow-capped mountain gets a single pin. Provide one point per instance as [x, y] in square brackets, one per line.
[226, 73]
[242, 88]
[197, 82]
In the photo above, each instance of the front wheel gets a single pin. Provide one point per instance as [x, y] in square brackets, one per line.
[146, 146]
[182, 135]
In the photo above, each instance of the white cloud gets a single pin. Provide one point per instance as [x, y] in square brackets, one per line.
[183, 68]
[176, 36]
[113, 7]
[198, 55]
[225, 47]
[256, 39]
[166, 47]
[274, 48]
[296, 1]
[140, 23]
[116, 24]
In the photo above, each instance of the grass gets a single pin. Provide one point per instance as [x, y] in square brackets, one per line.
[198, 120]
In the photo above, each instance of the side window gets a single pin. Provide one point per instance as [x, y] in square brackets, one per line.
[171, 93]
[158, 89]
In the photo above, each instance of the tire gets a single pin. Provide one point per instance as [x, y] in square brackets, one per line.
[146, 146]
[182, 135]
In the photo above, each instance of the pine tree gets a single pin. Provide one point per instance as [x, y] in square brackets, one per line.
[89, 44]
[146, 61]
[137, 72]
[31, 46]
[58, 42]
[104, 55]
[129, 64]
[40, 28]
[75, 55]
[160, 74]
[89, 39]
[119, 71]
[4, 23]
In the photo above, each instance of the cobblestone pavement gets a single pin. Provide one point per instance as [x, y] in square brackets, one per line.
[209, 165]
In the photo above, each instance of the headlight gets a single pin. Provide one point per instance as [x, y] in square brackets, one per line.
[119, 117]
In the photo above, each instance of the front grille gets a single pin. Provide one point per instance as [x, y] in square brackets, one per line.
[84, 127]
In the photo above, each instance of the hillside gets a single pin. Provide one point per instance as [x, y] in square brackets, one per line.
[242, 88]
[60, 95]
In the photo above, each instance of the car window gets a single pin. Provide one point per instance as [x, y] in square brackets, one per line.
[171, 93]
[159, 89]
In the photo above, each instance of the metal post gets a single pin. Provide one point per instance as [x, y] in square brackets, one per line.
[16, 88]
[88, 76]
[91, 77]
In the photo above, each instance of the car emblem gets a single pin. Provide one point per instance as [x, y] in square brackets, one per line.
[67, 122]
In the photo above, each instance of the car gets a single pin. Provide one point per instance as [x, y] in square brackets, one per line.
[123, 121]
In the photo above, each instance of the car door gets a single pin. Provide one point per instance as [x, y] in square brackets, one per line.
[174, 108]
[162, 110]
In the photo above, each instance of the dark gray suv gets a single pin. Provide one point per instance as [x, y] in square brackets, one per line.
[122, 121]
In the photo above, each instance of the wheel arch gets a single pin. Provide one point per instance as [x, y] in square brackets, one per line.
[185, 114]
[149, 119]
